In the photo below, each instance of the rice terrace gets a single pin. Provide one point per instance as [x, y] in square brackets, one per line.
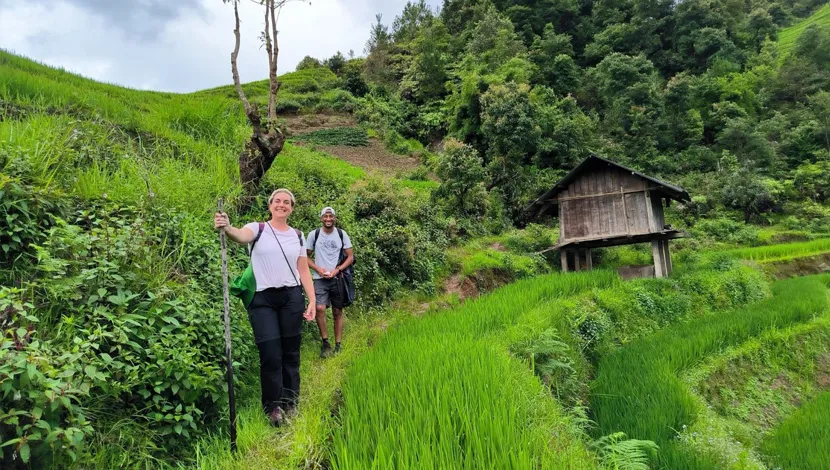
[415, 234]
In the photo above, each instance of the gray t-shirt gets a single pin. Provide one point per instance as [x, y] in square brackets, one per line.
[327, 251]
[270, 267]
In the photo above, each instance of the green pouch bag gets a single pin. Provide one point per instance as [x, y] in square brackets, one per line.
[244, 285]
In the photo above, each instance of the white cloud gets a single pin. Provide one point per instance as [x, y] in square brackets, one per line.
[181, 49]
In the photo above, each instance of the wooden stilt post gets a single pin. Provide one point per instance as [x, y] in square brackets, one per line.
[667, 258]
[657, 254]
[577, 261]
[589, 264]
[563, 255]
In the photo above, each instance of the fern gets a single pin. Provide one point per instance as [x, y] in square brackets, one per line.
[618, 453]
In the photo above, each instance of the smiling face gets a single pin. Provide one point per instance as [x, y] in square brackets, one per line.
[281, 205]
[328, 219]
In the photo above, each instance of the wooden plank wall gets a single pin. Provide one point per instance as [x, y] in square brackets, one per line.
[612, 214]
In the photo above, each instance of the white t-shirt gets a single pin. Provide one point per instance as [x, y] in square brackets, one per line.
[327, 249]
[270, 267]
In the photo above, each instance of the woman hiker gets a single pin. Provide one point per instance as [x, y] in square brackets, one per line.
[277, 310]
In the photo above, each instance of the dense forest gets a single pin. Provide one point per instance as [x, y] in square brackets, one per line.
[703, 92]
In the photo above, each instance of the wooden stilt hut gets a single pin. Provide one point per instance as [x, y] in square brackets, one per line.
[601, 204]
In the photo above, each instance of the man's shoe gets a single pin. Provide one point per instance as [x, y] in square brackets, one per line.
[337, 348]
[276, 417]
[325, 351]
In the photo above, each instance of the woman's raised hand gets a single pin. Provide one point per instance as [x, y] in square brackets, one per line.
[220, 220]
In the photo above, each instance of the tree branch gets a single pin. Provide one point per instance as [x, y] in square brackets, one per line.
[234, 69]
[273, 56]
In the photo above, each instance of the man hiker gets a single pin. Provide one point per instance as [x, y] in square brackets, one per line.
[326, 244]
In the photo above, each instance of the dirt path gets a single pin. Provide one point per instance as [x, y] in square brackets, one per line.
[373, 157]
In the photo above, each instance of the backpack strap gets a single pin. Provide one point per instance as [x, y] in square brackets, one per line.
[299, 237]
[316, 236]
[258, 234]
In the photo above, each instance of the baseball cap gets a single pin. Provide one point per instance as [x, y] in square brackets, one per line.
[327, 209]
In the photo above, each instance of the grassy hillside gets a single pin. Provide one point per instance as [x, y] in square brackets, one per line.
[109, 265]
[787, 37]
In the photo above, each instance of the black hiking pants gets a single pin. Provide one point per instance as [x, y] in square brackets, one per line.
[276, 316]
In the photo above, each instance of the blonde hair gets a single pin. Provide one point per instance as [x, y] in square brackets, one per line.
[282, 190]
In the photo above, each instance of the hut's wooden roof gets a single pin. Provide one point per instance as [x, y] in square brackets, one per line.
[547, 201]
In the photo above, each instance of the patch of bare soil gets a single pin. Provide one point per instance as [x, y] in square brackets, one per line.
[304, 123]
[799, 266]
[823, 371]
[464, 287]
[373, 157]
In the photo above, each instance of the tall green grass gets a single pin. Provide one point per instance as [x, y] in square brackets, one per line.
[785, 251]
[803, 440]
[437, 393]
[637, 389]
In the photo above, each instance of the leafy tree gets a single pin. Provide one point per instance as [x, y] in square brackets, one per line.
[559, 72]
[462, 175]
[742, 140]
[493, 42]
[630, 93]
[352, 77]
[566, 133]
[378, 65]
[415, 16]
[427, 74]
[379, 36]
[745, 190]
[820, 106]
[512, 136]
[811, 181]
[309, 62]
[336, 63]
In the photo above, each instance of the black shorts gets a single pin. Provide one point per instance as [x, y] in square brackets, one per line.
[277, 313]
[327, 292]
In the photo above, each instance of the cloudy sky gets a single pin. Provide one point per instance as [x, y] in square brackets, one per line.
[180, 45]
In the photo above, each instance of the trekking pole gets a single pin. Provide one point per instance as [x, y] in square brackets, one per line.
[228, 357]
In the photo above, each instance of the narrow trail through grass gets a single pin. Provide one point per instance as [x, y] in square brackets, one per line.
[638, 391]
[301, 444]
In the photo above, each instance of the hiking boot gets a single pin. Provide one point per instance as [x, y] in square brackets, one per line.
[291, 412]
[325, 351]
[336, 349]
[276, 417]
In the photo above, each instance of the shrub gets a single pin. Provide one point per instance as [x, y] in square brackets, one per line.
[337, 100]
[396, 143]
[462, 174]
[727, 231]
[288, 106]
[128, 339]
[348, 136]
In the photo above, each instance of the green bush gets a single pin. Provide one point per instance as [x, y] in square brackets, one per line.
[396, 143]
[726, 231]
[337, 100]
[112, 302]
[288, 106]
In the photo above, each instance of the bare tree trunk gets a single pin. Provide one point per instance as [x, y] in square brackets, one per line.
[273, 55]
[265, 143]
